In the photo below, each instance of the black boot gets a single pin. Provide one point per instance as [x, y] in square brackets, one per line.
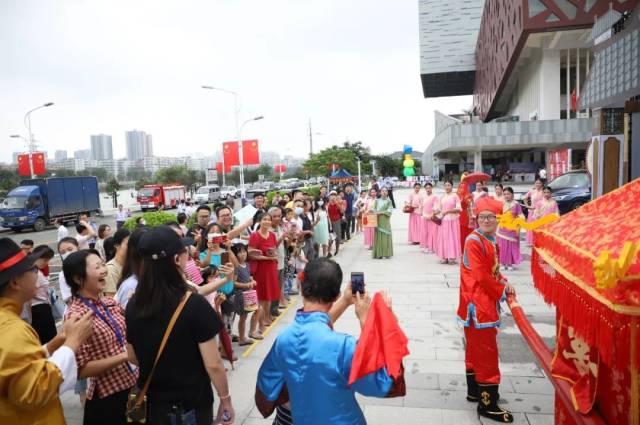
[488, 404]
[472, 387]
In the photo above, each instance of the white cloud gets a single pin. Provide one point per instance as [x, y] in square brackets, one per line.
[350, 66]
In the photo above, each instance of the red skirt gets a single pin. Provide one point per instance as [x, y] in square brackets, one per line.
[266, 276]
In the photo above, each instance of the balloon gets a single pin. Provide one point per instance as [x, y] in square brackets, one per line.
[407, 149]
[408, 163]
[408, 172]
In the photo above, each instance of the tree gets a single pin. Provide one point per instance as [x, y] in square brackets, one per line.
[319, 164]
[387, 166]
[100, 173]
[113, 186]
[9, 179]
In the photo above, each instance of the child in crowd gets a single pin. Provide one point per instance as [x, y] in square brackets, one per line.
[359, 207]
[244, 282]
[192, 269]
[290, 223]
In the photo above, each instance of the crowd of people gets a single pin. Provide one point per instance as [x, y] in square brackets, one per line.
[438, 224]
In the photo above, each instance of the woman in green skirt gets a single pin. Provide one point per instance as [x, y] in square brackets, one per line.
[382, 242]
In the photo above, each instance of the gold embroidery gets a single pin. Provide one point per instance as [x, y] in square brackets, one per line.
[486, 399]
[608, 271]
[580, 355]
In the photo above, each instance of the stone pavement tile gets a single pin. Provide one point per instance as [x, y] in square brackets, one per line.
[422, 381]
[528, 403]
[387, 415]
[539, 419]
[449, 354]
[375, 401]
[471, 417]
[421, 350]
[455, 382]
[531, 385]
[438, 399]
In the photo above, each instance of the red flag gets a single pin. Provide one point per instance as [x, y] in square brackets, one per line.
[230, 154]
[250, 153]
[574, 101]
[381, 343]
[280, 168]
[37, 159]
[227, 168]
[23, 165]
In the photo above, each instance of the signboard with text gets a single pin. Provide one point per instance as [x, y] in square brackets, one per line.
[558, 163]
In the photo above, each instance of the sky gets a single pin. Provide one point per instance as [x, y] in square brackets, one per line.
[351, 66]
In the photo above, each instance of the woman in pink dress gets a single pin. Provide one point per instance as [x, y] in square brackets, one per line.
[448, 247]
[369, 231]
[499, 192]
[429, 237]
[546, 206]
[533, 196]
[415, 218]
[509, 240]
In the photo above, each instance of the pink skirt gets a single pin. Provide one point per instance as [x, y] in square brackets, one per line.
[509, 252]
[529, 237]
[448, 246]
[415, 227]
[432, 235]
[424, 234]
[368, 236]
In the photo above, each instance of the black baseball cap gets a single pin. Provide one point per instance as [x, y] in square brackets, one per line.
[162, 242]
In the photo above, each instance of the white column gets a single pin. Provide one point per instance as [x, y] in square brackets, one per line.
[477, 161]
[587, 71]
[577, 77]
[549, 87]
[568, 93]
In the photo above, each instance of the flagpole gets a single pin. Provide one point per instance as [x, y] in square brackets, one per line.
[31, 143]
[241, 156]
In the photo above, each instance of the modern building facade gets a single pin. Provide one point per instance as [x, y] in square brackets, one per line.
[60, 155]
[139, 145]
[101, 147]
[529, 62]
[82, 154]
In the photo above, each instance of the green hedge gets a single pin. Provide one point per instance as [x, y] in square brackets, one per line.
[152, 219]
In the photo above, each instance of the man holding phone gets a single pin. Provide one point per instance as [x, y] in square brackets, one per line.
[482, 287]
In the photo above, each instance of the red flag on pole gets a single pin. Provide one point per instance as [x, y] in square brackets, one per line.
[230, 154]
[23, 165]
[227, 168]
[250, 153]
[574, 101]
[280, 168]
[39, 167]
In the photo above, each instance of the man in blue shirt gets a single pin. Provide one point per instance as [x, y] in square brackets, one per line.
[309, 364]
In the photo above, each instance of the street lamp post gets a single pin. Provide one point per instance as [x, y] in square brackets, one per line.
[236, 110]
[242, 191]
[31, 143]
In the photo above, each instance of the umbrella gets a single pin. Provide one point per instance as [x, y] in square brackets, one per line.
[474, 178]
[225, 338]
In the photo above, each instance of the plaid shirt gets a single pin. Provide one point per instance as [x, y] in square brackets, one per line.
[101, 345]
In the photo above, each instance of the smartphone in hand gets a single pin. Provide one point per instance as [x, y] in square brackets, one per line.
[357, 282]
[224, 257]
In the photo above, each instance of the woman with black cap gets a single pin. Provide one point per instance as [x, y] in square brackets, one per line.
[32, 375]
[179, 387]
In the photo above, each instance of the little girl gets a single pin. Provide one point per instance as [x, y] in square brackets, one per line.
[244, 282]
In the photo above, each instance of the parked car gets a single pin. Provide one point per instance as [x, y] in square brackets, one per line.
[229, 192]
[207, 194]
[571, 190]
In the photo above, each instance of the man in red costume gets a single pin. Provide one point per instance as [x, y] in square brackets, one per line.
[482, 287]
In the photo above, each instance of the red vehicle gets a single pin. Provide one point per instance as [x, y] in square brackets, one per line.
[152, 196]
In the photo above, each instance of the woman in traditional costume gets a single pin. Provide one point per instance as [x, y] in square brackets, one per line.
[533, 197]
[429, 237]
[509, 240]
[499, 192]
[448, 246]
[415, 218]
[382, 241]
[369, 232]
[546, 206]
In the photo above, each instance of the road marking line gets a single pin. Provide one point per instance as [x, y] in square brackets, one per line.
[266, 332]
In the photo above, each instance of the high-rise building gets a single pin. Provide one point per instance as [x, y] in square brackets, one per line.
[82, 154]
[60, 155]
[139, 145]
[101, 147]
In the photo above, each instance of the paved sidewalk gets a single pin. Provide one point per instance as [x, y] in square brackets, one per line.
[425, 296]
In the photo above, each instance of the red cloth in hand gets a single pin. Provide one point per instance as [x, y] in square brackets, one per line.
[382, 343]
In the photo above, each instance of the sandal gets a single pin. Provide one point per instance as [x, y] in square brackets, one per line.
[247, 341]
[257, 336]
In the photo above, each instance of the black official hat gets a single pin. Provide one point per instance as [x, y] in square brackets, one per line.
[13, 260]
[161, 242]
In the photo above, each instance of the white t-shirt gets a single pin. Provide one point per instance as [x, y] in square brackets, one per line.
[42, 290]
[121, 215]
[83, 241]
[65, 289]
[63, 232]
[300, 265]
[543, 173]
[126, 290]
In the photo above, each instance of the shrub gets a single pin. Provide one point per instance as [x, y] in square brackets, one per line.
[152, 219]
[312, 191]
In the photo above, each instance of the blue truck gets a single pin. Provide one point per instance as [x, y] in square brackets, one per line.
[37, 202]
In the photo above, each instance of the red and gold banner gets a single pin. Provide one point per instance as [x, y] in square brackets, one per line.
[37, 159]
[230, 154]
[23, 165]
[227, 168]
[250, 153]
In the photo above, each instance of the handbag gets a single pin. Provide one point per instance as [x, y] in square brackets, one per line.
[137, 400]
[436, 220]
[408, 209]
